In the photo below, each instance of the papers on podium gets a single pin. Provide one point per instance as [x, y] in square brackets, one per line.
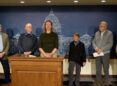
[95, 54]
[32, 56]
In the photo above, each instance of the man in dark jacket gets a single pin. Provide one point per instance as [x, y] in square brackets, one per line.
[27, 42]
[77, 57]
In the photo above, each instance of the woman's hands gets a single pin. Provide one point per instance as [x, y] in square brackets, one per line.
[48, 54]
[27, 53]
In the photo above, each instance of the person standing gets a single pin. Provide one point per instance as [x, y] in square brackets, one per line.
[27, 42]
[102, 43]
[77, 57]
[4, 47]
[48, 42]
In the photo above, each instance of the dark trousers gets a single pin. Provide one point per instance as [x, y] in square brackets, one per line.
[5, 65]
[72, 65]
[102, 61]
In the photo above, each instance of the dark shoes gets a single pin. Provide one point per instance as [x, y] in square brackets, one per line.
[98, 83]
[5, 81]
[107, 83]
[102, 83]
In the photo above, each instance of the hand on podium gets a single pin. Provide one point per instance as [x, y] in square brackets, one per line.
[48, 55]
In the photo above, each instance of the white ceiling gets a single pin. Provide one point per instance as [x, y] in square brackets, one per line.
[55, 2]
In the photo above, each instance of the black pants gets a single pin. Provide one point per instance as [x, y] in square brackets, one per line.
[5, 65]
[72, 65]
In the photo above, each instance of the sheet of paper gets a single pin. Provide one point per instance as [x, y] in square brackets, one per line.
[95, 54]
[32, 56]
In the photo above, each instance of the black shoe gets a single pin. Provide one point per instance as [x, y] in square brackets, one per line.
[107, 83]
[5, 81]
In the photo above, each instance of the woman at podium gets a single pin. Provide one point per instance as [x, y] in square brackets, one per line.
[48, 42]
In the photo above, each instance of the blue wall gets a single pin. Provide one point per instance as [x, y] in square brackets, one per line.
[81, 19]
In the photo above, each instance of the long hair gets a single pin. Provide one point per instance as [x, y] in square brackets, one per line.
[45, 25]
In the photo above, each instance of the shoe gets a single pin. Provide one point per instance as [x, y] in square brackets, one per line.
[98, 83]
[107, 83]
[5, 81]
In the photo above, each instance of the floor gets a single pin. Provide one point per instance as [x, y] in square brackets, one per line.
[85, 81]
[5, 85]
[66, 84]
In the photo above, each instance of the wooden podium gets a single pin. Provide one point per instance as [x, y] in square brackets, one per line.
[37, 71]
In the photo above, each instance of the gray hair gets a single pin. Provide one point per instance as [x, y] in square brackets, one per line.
[28, 24]
[104, 22]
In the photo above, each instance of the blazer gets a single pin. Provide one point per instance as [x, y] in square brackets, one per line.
[105, 42]
[5, 44]
[32, 43]
[77, 53]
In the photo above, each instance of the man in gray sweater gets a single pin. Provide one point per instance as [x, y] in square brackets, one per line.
[103, 42]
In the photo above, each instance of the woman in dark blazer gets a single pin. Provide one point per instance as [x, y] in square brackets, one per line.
[77, 57]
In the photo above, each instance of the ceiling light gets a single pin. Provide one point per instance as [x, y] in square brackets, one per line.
[22, 2]
[48, 1]
[103, 1]
[76, 1]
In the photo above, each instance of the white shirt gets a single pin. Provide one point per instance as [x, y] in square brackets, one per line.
[102, 33]
[1, 43]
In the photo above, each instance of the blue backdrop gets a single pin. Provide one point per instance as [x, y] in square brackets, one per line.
[67, 20]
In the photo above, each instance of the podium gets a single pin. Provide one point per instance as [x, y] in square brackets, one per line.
[27, 71]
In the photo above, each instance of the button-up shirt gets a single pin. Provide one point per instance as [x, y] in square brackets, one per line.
[1, 43]
[102, 33]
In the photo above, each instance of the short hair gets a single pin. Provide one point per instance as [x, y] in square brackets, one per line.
[103, 22]
[76, 34]
[28, 24]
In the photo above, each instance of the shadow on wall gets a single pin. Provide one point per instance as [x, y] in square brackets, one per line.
[12, 42]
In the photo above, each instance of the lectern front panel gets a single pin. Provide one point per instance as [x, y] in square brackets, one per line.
[36, 72]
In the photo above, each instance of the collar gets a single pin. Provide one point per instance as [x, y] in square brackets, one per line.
[76, 42]
[103, 32]
[28, 33]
